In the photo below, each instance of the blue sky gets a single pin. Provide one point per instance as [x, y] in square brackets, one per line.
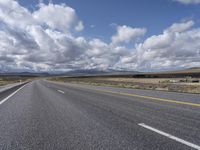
[155, 15]
[62, 35]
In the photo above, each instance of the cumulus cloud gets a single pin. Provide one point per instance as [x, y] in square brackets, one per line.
[44, 40]
[14, 15]
[177, 46]
[189, 1]
[180, 27]
[168, 36]
[127, 34]
[59, 17]
[40, 40]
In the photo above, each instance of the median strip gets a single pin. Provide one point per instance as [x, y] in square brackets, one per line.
[170, 136]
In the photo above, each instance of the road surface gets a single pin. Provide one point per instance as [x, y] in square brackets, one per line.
[44, 115]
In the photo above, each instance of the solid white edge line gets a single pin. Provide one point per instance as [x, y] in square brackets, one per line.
[60, 91]
[170, 136]
[5, 99]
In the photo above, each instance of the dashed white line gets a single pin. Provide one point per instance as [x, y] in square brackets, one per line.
[61, 91]
[170, 136]
[5, 99]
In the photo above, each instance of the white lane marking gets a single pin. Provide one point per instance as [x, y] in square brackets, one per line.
[170, 136]
[61, 91]
[5, 99]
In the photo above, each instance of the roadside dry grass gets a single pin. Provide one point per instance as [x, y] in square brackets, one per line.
[136, 83]
[11, 79]
[4, 81]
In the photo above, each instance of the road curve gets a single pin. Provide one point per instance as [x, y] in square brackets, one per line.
[46, 115]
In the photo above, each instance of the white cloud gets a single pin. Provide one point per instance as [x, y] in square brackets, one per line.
[180, 27]
[189, 1]
[177, 47]
[168, 37]
[127, 34]
[41, 40]
[15, 15]
[59, 17]
[31, 44]
[79, 26]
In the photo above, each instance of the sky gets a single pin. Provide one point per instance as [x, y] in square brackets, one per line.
[63, 35]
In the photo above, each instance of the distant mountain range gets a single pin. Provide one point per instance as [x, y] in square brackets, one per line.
[24, 74]
[98, 72]
[94, 72]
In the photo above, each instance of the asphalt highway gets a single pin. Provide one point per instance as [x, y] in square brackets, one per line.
[44, 115]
